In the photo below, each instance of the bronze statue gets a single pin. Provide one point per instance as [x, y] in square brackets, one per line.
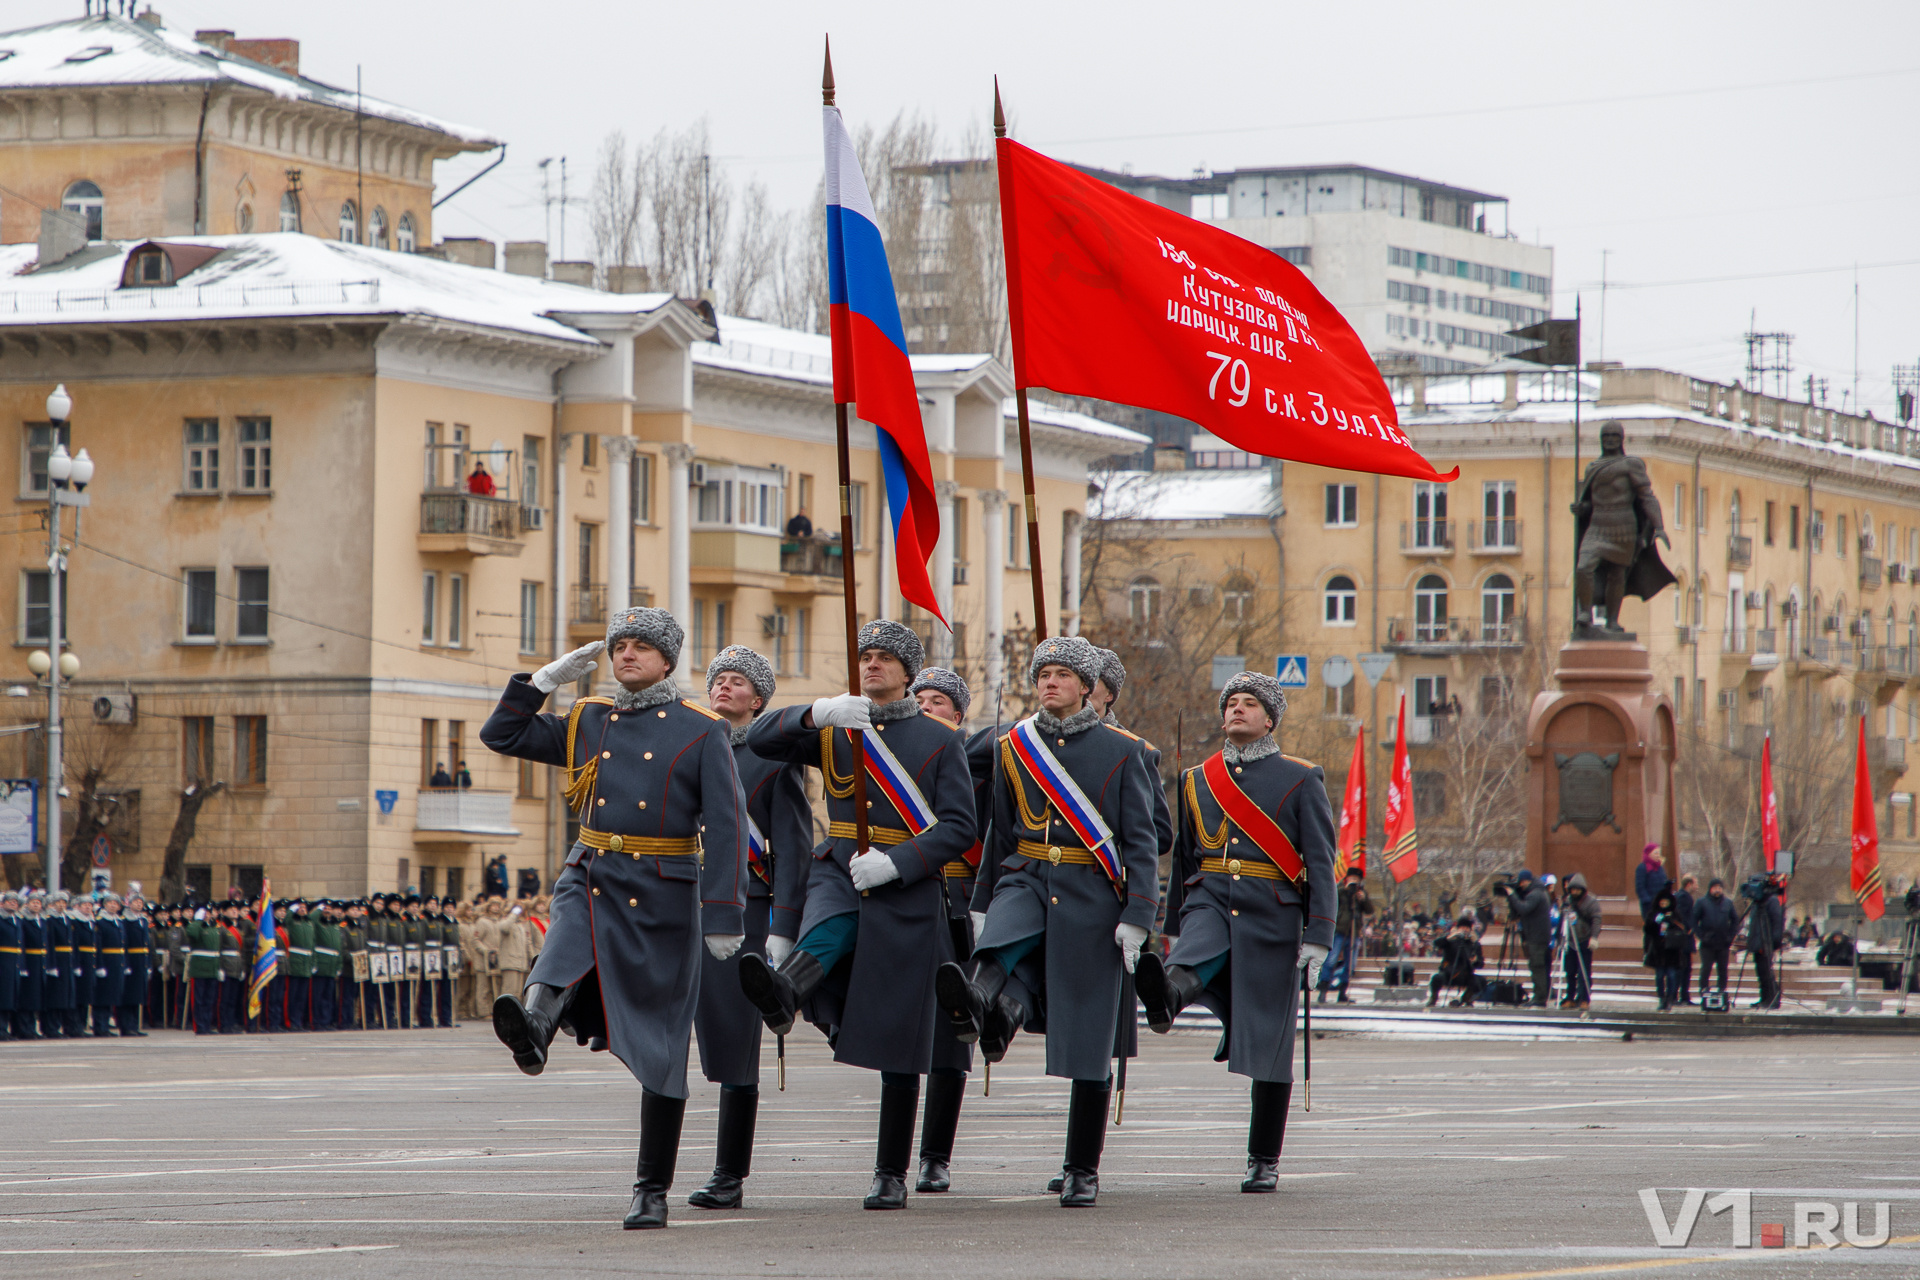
[1616, 520]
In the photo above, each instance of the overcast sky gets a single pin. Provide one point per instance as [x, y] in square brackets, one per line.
[1767, 142]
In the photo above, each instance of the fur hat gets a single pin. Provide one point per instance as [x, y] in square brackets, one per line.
[1075, 653]
[941, 680]
[652, 626]
[1261, 686]
[897, 639]
[1113, 671]
[739, 658]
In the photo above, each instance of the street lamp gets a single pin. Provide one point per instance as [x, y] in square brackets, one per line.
[67, 479]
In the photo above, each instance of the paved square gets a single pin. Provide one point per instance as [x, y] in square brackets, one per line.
[425, 1154]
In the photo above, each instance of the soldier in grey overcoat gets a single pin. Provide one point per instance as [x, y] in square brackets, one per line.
[873, 928]
[726, 1026]
[1056, 916]
[661, 862]
[1249, 918]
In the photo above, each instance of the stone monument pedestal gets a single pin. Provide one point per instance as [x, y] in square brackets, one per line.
[1601, 751]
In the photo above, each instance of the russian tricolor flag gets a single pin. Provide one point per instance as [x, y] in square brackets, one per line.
[870, 365]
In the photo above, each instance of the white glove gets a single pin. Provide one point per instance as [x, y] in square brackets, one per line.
[1129, 937]
[778, 949]
[722, 946]
[979, 919]
[843, 711]
[872, 869]
[1312, 956]
[200, 916]
[570, 668]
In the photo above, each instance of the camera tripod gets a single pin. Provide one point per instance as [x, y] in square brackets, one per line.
[1909, 960]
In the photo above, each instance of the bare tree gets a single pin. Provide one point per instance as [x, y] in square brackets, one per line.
[94, 755]
[617, 202]
[689, 204]
[173, 867]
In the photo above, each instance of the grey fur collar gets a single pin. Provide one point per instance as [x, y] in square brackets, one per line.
[1079, 722]
[904, 709]
[739, 734]
[1260, 750]
[654, 695]
[1111, 720]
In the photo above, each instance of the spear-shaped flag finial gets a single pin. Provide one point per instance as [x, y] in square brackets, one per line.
[826, 77]
[999, 113]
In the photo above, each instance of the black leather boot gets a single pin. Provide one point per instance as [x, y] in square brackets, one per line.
[1003, 1022]
[941, 1122]
[1265, 1132]
[1164, 990]
[660, 1119]
[526, 1024]
[778, 993]
[733, 1158]
[1086, 1138]
[898, 1103]
[966, 996]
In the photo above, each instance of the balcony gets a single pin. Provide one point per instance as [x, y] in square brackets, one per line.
[1454, 636]
[1739, 551]
[1422, 731]
[1888, 754]
[812, 556]
[587, 604]
[1870, 573]
[462, 816]
[1494, 537]
[1426, 537]
[468, 524]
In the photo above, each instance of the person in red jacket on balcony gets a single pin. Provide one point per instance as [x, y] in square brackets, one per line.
[480, 483]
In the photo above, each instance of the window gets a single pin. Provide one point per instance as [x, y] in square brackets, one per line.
[429, 750]
[1017, 534]
[642, 497]
[84, 198]
[456, 747]
[150, 268]
[37, 586]
[1817, 531]
[1343, 506]
[1143, 604]
[528, 779]
[781, 621]
[404, 237]
[456, 610]
[377, 228]
[1430, 608]
[249, 751]
[37, 442]
[585, 554]
[806, 494]
[589, 450]
[1500, 510]
[429, 880]
[1679, 506]
[802, 624]
[1339, 702]
[1700, 509]
[1429, 696]
[349, 223]
[529, 617]
[1341, 602]
[740, 497]
[203, 455]
[196, 749]
[721, 618]
[1840, 537]
[530, 492]
[1766, 524]
[250, 613]
[199, 881]
[1679, 697]
[1236, 600]
[1793, 528]
[1699, 701]
[256, 454]
[429, 605]
[1497, 598]
[199, 610]
[699, 631]
[290, 211]
[857, 505]
[1430, 515]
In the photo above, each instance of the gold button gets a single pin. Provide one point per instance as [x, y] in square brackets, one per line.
[882, 728]
[1235, 840]
[1053, 856]
[643, 804]
[663, 715]
[646, 755]
[599, 853]
[603, 799]
[596, 892]
[1060, 742]
[1233, 867]
[616, 843]
[615, 716]
[606, 755]
[636, 857]
[869, 804]
[1238, 769]
[633, 902]
[1056, 902]
[1236, 911]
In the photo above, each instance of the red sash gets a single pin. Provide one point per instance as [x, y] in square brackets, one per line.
[1254, 821]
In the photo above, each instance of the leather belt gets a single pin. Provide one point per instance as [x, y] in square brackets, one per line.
[958, 870]
[1055, 854]
[1258, 868]
[33, 951]
[876, 835]
[639, 846]
[9, 951]
[112, 951]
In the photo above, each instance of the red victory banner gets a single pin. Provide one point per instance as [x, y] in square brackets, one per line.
[1769, 805]
[1350, 849]
[1867, 888]
[1401, 837]
[1117, 298]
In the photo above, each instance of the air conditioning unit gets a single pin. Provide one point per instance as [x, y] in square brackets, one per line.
[116, 708]
[1729, 699]
[1753, 600]
[1859, 707]
[1896, 572]
[959, 575]
[1790, 608]
[533, 519]
[1817, 530]
[773, 624]
[1687, 636]
[697, 474]
[1860, 627]
[1830, 623]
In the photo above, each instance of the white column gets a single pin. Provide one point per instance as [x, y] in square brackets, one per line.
[1070, 575]
[679, 534]
[993, 523]
[619, 521]
[941, 570]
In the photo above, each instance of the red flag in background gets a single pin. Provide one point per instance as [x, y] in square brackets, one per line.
[1350, 849]
[1867, 889]
[1118, 298]
[1401, 840]
[1769, 806]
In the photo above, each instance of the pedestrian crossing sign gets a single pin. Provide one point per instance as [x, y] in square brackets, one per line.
[1291, 668]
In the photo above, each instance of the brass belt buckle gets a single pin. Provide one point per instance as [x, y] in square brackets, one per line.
[616, 844]
[1053, 855]
[1233, 867]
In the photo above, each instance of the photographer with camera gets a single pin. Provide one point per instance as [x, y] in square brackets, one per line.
[1715, 922]
[1527, 906]
[1665, 937]
[1460, 955]
[1582, 917]
[1766, 931]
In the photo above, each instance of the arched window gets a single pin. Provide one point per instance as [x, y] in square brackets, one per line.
[84, 198]
[1913, 632]
[290, 212]
[1891, 642]
[1791, 616]
[1341, 602]
[1767, 622]
[403, 237]
[1497, 609]
[1143, 604]
[1681, 595]
[243, 219]
[377, 228]
[1733, 514]
[349, 223]
[1430, 608]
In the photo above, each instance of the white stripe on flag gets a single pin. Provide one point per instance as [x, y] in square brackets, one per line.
[846, 185]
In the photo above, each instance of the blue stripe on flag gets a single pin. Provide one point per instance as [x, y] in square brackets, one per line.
[866, 286]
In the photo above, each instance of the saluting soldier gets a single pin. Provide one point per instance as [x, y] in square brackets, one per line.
[726, 1026]
[109, 964]
[1070, 887]
[86, 959]
[56, 992]
[33, 968]
[873, 929]
[1251, 905]
[661, 861]
[296, 967]
[136, 982]
[9, 960]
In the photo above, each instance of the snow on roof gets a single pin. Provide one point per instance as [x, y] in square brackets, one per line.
[1047, 415]
[101, 51]
[768, 350]
[289, 274]
[1187, 495]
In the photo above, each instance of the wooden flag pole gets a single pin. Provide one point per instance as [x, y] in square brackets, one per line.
[1035, 574]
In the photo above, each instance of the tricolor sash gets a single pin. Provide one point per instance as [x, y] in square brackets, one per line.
[895, 783]
[1063, 793]
[1254, 822]
[756, 849]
